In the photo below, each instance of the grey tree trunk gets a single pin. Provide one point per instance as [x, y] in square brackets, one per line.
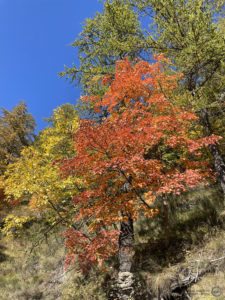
[166, 223]
[214, 149]
[219, 165]
[125, 276]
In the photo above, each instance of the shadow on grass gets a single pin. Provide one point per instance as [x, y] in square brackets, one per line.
[191, 219]
[3, 256]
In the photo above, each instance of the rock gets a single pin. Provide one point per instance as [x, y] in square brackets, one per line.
[125, 285]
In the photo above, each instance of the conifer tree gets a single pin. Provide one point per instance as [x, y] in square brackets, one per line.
[16, 131]
[109, 36]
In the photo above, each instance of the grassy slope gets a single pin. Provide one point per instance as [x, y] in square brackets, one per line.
[28, 272]
[197, 233]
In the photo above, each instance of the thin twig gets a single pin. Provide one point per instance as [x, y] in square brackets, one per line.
[197, 273]
[214, 260]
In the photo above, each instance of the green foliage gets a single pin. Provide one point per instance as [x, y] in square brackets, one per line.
[187, 33]
[16, 131]
[107, 37]
[191, 34]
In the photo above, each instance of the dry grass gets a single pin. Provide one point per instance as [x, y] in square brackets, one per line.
[40, 274]
[197, 233]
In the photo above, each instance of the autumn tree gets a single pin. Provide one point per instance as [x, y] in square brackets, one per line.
[34, 176]
[16, 131]
[187, 32]
[124, 163]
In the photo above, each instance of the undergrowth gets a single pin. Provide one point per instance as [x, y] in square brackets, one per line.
[32, 265]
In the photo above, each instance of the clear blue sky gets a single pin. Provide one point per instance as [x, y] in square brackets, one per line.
[35, 37]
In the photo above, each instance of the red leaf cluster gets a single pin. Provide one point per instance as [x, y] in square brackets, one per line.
[129, 148]
[90, 251]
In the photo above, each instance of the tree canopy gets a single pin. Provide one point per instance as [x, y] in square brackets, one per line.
[34, 176]
[106, 38]
[16, 131]
[143, 150]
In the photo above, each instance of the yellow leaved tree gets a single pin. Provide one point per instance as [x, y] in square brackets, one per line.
[34, 177]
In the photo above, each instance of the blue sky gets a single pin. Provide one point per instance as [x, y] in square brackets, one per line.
[35, 37]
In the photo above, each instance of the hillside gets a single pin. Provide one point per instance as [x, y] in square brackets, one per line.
[32, 265]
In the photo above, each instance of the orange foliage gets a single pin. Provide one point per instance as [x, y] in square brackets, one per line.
[127, 149]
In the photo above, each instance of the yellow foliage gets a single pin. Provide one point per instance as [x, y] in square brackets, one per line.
[36, 176]
[13, 224]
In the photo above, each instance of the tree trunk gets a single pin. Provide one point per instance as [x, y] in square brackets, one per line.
[125, 277]
[219, 165]
[214, 149]
[166, 223]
